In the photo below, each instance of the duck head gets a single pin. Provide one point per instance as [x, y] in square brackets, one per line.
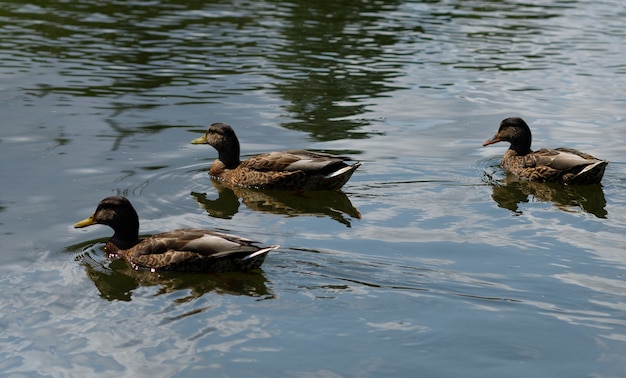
[515, 131]
[222, 137]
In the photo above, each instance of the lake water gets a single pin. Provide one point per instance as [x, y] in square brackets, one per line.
[428, 263]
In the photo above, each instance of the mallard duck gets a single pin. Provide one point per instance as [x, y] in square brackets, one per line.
[187, 249]
[297, 170]
[562, 165]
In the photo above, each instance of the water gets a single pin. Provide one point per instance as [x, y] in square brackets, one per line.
[428, 263]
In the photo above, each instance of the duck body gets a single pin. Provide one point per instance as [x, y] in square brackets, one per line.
[297, 170]
[562, 165]
[189, 249]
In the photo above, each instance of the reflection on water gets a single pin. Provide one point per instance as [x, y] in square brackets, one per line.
[333, 204]
[146, 57]
[510, 192]
[120, 133]
[116, 279]
[324, 92]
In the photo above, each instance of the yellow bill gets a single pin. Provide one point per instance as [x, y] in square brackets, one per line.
[201, 140]
[86, 222]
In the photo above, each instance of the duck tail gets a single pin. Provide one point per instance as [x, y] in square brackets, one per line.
[260, 252]
[590, 174]
[347, 169]
[600, 164]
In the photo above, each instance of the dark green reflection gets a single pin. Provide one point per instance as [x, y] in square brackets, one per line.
[331, 62]
[325, 58]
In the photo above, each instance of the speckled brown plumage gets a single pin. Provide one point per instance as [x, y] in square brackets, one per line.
[284, 170]
[187, 249]
[562, 165]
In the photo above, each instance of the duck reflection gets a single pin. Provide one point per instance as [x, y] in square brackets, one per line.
[116, 279]
[334, 204]
[509, 193]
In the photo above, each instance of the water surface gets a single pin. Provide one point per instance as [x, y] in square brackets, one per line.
[429, 262]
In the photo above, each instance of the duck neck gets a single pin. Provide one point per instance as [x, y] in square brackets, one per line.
[520, 150]
[230, 155]
[126, 237]
[521, 144]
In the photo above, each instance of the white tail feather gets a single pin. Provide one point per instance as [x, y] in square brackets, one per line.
[260, 252]
[344, 170]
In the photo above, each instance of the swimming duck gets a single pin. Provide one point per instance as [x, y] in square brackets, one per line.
[285, 170]
[562, 165]
[187, 249]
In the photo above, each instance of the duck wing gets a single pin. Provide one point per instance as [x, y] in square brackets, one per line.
[196, 250]
[562, 159]
[296, 160]
[203, 242]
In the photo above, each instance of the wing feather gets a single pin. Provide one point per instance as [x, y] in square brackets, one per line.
[202, 242]
[561, 159]
[295, 160]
